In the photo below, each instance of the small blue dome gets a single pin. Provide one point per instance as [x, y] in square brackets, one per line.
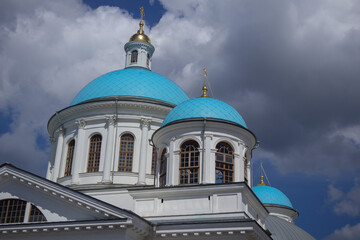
[270, 195]
[204, 107]
[132, 82]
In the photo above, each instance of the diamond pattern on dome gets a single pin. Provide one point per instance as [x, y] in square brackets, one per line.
[135, 82]
[204, 108]
[270, 195]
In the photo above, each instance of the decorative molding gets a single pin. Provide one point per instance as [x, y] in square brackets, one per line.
[111, 120]
[145, 122]
[52, 140]
[60, 131]
[81, 123]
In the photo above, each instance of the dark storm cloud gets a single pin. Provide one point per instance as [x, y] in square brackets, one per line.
[290, 68]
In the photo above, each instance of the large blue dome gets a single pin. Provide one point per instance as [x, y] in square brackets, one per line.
[132, 82]
[270, 195]
[204, 107]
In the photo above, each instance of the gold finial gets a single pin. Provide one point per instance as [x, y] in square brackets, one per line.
[140, 35]
[204, 89]
[261, 183]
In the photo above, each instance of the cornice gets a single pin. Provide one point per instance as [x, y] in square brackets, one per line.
[61, 117]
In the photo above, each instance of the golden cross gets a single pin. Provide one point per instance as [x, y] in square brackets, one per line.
[142, 13]
[205, 74]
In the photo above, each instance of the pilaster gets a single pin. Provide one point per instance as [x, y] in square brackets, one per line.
[109, 152]
[79, 151]
[59, 150]
[144, 124]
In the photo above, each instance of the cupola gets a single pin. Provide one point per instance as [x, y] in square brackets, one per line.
[139, 49]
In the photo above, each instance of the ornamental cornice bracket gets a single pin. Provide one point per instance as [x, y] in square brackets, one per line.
[52, 140]
[60, 131]
[111, 120]
[81, 123]
[145, 122]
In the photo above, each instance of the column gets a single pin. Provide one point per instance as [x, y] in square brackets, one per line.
[50, 169]
[79, 151]
[109, 153]
[144, 124]
[206, 164]
[170, 164]
[59, 150]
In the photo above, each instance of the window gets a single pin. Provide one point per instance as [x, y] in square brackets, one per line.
[126, 153]
[36, 215]
[94, 153]
[148, 60]
[13, 211]
[134, 56]
[153, 161]
[163, 165]
[224, 169]
[189, 163]
[69, 158]
[246, 169]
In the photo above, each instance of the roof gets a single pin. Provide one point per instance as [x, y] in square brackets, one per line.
[132, 82]
[204, 107]
[271, 195]
[283, 230]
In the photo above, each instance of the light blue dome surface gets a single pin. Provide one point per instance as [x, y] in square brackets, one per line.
[132, 82]
[204, 107]
[270, 195]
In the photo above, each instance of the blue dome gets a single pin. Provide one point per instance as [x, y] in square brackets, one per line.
[204, 107]
[132, 82]
[270, 195]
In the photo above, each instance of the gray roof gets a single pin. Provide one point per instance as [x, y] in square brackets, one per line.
[284, 230]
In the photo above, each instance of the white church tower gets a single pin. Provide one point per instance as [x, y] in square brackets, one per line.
[139, 49]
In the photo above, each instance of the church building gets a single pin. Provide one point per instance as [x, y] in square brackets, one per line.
[133, 157]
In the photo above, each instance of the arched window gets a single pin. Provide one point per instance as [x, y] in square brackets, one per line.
[134, 56]
[148, 60]
[153, 161]
[189, 163]
[246, 169]
[94, 153]
[14, 210]
[163, 165]
[69, 157]
[126, 153]
[224, 169]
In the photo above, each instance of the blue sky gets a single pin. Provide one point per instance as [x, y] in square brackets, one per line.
[291, 69]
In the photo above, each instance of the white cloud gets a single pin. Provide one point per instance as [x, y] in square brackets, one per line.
[345, 203]
[272, 61]
[48, 53]
[346, 233]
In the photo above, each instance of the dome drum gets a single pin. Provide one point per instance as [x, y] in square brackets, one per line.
[81, 122]
[207, 135]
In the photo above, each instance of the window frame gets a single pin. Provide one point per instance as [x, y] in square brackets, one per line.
[69, 157]
[163, 169]
[94, 153]
[223, 166]
[126, 167]
[134, 56]
[189, 162]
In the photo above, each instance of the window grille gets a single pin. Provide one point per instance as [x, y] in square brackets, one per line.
[224, 160]
[69, 158]
[94, 153]
[153, 161]
[126, 153]
[134, 56]
[189, 163]
[13, 211]
[163, 166]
